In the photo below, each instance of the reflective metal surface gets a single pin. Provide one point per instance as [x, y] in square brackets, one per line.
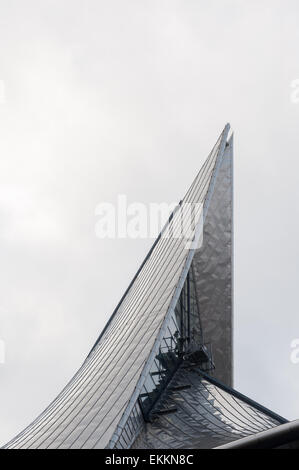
[194, 195]
[213, 268]
[94, 408]
[143, 384]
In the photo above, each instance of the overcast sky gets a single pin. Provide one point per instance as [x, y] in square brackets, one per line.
[106, 97]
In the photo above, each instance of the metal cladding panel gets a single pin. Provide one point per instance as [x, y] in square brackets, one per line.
[213, 268]
[101, 395]
[206, 416]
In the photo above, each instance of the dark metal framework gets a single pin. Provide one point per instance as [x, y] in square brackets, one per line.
[183, 341]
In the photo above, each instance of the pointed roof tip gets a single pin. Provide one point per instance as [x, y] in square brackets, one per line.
[225, 134]
[229, 132]
[227, 128]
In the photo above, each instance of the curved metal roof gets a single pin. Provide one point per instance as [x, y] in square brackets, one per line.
[100, 407]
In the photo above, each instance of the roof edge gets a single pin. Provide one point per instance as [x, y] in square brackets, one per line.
[244, 398]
